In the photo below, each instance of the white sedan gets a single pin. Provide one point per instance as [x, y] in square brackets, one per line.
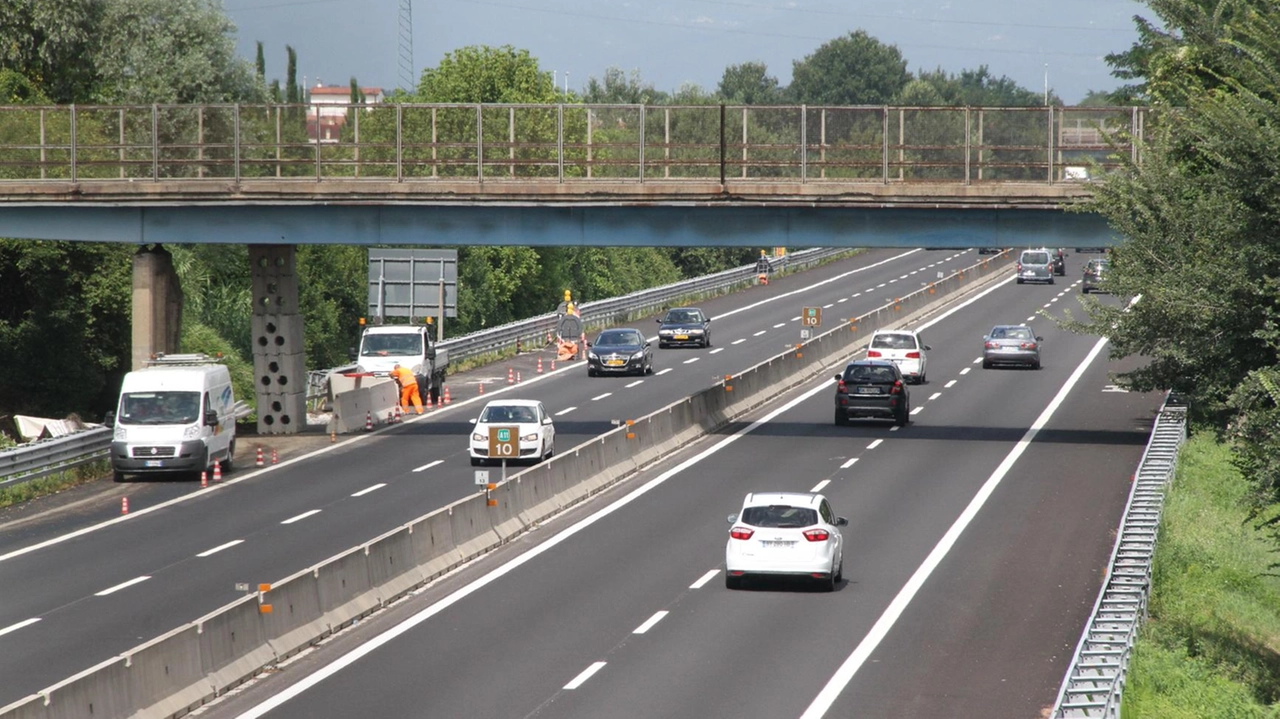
[535, 433]
[785, 534]
[903, 348]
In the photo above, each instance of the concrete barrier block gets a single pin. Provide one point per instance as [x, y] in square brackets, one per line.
[233, 644]
[296, 620]
[346, 593]
[393, 568]
[166, 676]
[433, 547]
[102, 690]
[31, 707]
[472, 527]
[376, 397]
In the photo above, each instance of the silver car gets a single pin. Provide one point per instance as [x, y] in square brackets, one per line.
[1035, 266]
[1011, 345]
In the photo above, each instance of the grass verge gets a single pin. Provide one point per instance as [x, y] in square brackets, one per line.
[53, 484]
[1211, 647]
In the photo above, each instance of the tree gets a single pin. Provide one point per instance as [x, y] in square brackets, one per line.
[52, 43]
[856, 69]
[260, 64]
[619, 88]
[749, 84]
[291, 95]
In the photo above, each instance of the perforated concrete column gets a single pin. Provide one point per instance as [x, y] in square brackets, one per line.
[279, 357]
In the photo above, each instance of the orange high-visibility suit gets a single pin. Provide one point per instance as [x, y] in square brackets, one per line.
[408, 388]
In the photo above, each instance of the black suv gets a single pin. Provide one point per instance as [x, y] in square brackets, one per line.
[872, 388]
[1058, 258]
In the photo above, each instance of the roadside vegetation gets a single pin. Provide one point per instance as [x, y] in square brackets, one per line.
[52, 484]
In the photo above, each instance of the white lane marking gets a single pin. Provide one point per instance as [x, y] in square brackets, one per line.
[566, 410]
[796, 318]
[461, 594]
[19, 625]
[780, 324]
[976, 361]
[118, 587]
[818, 487]
[428, 465]
[717, 350]
[1046, 305]
[759, 333]
[691, 360]
[872, 289]
[584, 676]
[934, 396]
[965, 370]
[367, 490]
[738, 342]
[702, 581]
[915, 271]
[917, 410]
[894, 428]
[219, 548]
[659, 374]
[849, 464]
[952, 383]
[633, 384]
[882, 284]
[842, 299]
[599, 397]
[821, 703]
[1055, 299]
[857, 294]
[904, 277]
[875, 444]
[301, 517]
[828, 306]
[1032, 317]
[657, 617]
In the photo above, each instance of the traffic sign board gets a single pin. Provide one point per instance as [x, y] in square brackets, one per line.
[504, 442]
[811, 317]
[482, 476]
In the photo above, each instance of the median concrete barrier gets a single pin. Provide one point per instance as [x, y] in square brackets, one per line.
[358, 397]
[174, 672]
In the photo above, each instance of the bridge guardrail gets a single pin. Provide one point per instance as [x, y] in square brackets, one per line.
[1095, 679]
[47, 456]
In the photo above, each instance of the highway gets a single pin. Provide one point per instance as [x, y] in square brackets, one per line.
[978, 538]
[86, 585]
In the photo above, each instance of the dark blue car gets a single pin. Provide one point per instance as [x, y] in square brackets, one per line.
[620, 351]
[684, 326]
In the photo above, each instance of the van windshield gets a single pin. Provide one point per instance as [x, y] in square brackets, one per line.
[159, 408]
[405, 345]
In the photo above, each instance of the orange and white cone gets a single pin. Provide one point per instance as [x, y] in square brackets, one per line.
[217, 471]
[204, 478]
[539, 365]
[430, 402]
[448, 399]
[368, 421]
[260, 461]
[482, 388]
[519, 379]
[398, 418]
[553, 364]
[511, 376]
[124, 505]
[391, 417]
[275, 456]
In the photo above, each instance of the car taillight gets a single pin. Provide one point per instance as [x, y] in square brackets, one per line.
[741, 533]
[842, 387]
[897, 387]
[1019, 266]
[1028, 345]
[817, 535]
[993, 345]
[874, 353]
[913, 355]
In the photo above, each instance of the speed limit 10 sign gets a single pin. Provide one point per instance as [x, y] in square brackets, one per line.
[504, 442]
[811, 317]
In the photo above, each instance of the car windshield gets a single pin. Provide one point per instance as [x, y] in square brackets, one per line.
[1035, 258]
[508, 413]
[683, 316]
[869, 373]
[779, 515]
[159, 408]
[618, 339]
[405, 345]
[894, 342]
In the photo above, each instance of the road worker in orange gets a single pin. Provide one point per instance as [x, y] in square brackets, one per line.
[408, 387]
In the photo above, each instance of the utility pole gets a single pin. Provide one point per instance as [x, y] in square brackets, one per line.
[407, 80]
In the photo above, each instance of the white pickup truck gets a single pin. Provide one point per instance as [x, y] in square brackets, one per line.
[384, 346]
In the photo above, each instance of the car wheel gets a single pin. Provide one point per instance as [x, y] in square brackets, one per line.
[842, 419]
[551, 451]
[1051, 281]
[707, 341]
[827, 584]
[732, 582]
[903, 417]
[840, 570]
[591, 372]
[1035, 365]
[1019, 280]
[649, 369]
[117, 476]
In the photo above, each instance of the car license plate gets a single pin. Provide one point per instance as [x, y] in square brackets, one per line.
[868, 390]
[152, 463]
[777, 543]
[616, 363]
[682, 337]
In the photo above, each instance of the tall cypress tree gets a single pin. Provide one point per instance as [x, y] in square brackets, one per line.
[261, 64]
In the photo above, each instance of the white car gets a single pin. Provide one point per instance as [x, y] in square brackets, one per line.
[785, 534]
[537, 433]
[903, 348]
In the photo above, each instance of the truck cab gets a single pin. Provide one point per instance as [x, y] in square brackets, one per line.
[384, 346]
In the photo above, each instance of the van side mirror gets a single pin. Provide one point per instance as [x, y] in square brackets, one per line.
[109, 419]
[659, 320]
[211, 417]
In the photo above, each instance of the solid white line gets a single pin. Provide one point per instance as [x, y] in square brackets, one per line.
[875, 444]
[599, 397]
[118, 587]
[965, 370]
[428, 465]
[934, 396]
[584, 676]
[566, 410]
[862, 652]
[301, 517]
[952, 383]
[717, 350]
[691, 360]
[19, 625]
[633, 384]
[702, 581]
[818, 487]
[220, 547]
[657, 617]
[849, 464]
[659, 374]
[367, 490]
[917, 410]
[780, 324]
[461, 594]
[738, 342]
[759, 333]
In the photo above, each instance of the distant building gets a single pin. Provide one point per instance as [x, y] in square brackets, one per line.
[328, 111]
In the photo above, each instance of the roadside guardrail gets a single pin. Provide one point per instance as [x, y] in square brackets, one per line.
[1095, 679]
[49, 456]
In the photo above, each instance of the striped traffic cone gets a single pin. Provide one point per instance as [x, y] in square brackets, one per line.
[430, 403]
[482, 388]
[391, 417]
[511, 376]
[398, 417]
[519, 379]
[368, 421]
[275, 454]
[539, 365]
[124, 505]
[260, 461]
[217, 472]
[204, 478]
[448, 399]
[553, 364]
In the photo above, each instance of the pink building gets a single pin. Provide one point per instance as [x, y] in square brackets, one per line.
[328, 111]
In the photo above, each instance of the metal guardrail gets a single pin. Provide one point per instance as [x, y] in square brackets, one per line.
[48, 456]
[1095, 679]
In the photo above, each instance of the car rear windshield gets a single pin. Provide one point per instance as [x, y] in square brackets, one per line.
[1035, 258]
[1011, 333]
[779, 515]
[872, 373]
[894, 342]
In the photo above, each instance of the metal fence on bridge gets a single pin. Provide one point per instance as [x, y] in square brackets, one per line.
[565, 143]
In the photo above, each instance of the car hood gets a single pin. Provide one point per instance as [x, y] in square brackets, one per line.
[616, 349]
[525, 427]
[682, 326]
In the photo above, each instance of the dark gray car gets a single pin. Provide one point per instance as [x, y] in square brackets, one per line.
[684, 326]
[1011, 345]
[619, 351]
[1035, 266]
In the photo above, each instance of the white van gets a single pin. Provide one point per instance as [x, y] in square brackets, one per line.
[176, 415]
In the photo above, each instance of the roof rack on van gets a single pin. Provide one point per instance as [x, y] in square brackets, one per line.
[173, 360]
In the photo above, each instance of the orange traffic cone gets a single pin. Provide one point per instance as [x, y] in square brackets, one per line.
[519, 379]
[482, 388]
[430, 403]
[275, 454]
[391, 417]
[124, 505]
[204, 478]
[398, 418]
[553, 364]
[368, 421]
[511, 376]
[539, 365]
[217, 471]
[260, 461]
[448, 399]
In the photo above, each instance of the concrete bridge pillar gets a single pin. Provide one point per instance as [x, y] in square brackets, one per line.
[279, 353]
[157, 305]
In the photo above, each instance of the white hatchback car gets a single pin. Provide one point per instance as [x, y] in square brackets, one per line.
[903, 348]
[537, 433]
[785, 534]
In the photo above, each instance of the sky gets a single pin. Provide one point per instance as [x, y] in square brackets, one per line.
[674, 42]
